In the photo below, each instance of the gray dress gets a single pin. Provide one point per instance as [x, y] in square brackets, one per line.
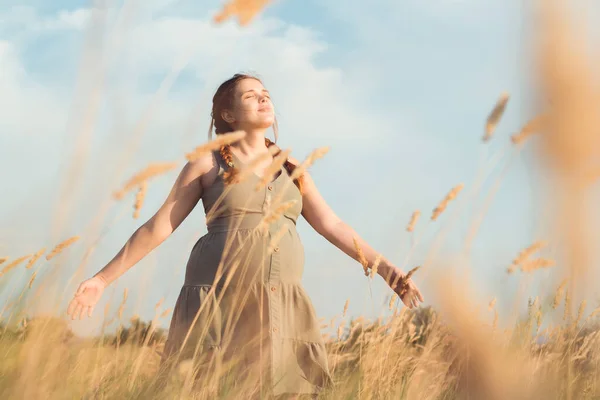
[242, 299]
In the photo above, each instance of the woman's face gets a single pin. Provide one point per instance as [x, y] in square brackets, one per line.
[252, 107]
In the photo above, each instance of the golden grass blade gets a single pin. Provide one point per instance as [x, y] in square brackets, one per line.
[151, 171]
[275, 214]
[346, 305]
[13, 264]
[537, 263]
[495, 116]
[245, 10]
[61, 246]
[30, 284]
[559, 293]
[449, 197]
[272, 169]
[361, 256]
[535, 125]
[413, 221]
[248, 170]
[139, 199]
[34, 258]
[375, 266]
[215, 144]
[312, 157]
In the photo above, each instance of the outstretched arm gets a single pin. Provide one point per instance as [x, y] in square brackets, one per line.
[322, 218]
[184, 195]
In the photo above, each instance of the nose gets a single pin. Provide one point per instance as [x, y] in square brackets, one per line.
[263, 99]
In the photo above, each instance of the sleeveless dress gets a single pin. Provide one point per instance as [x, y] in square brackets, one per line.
[242, 298]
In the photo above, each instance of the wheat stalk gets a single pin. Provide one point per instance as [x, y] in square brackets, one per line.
[30, 284]
[495, 116]
[312, 157]
[274, 215]
[245, 10]
[375, 266]
[558, 294]
[248, 170]
[122, 305]
[165, 313]
[14, 264]
[537, 264]
[61, 246]
[450, 196]
[151, 171]
[272, 169]
[34, 258]
[531, 127]
[361, 256]
[215, 144]
[139, 199]
[405, 278]
[346, 305]
[413, 221]
[524, 255]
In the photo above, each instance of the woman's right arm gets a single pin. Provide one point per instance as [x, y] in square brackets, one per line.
[183, 197]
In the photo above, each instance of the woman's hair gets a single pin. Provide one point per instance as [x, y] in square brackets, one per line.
[224, 100]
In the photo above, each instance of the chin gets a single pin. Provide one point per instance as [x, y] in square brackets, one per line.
[265, 123]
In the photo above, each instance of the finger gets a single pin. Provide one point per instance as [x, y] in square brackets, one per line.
[414, 302]
[76, 312]
[82, 312]
[420, 296]
[72, 306]
[90, 311]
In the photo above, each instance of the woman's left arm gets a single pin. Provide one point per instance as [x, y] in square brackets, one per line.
[321, 217]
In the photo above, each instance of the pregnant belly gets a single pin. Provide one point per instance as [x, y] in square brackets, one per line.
[246, 257]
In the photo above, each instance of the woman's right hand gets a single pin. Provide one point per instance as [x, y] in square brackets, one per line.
[86, 297]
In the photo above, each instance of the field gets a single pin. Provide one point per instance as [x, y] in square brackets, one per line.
[458, 350]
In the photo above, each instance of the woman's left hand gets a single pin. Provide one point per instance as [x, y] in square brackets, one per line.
[404, 288]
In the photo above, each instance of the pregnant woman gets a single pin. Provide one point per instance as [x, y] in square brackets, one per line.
[242, 298]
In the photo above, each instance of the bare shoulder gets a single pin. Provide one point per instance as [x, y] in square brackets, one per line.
[205, 168]
[202, 164]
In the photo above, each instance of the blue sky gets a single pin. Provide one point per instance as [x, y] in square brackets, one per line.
[399, 89]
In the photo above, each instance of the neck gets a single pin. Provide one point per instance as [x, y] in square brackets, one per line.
[253, 143]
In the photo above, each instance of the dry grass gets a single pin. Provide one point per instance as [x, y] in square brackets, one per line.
[245, 10]
[444, 203]
[61, 246]
[495, 116]
[151, 171]
[413, 221]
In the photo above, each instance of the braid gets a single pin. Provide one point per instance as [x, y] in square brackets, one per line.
[232, 174]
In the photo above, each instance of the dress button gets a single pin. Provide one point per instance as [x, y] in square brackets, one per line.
[273, 288]
[270, 187]
[276, 249]
[275, 330]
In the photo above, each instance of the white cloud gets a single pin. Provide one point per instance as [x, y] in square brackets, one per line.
[316, 104]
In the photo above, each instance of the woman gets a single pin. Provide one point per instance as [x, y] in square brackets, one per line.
[242, 298]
